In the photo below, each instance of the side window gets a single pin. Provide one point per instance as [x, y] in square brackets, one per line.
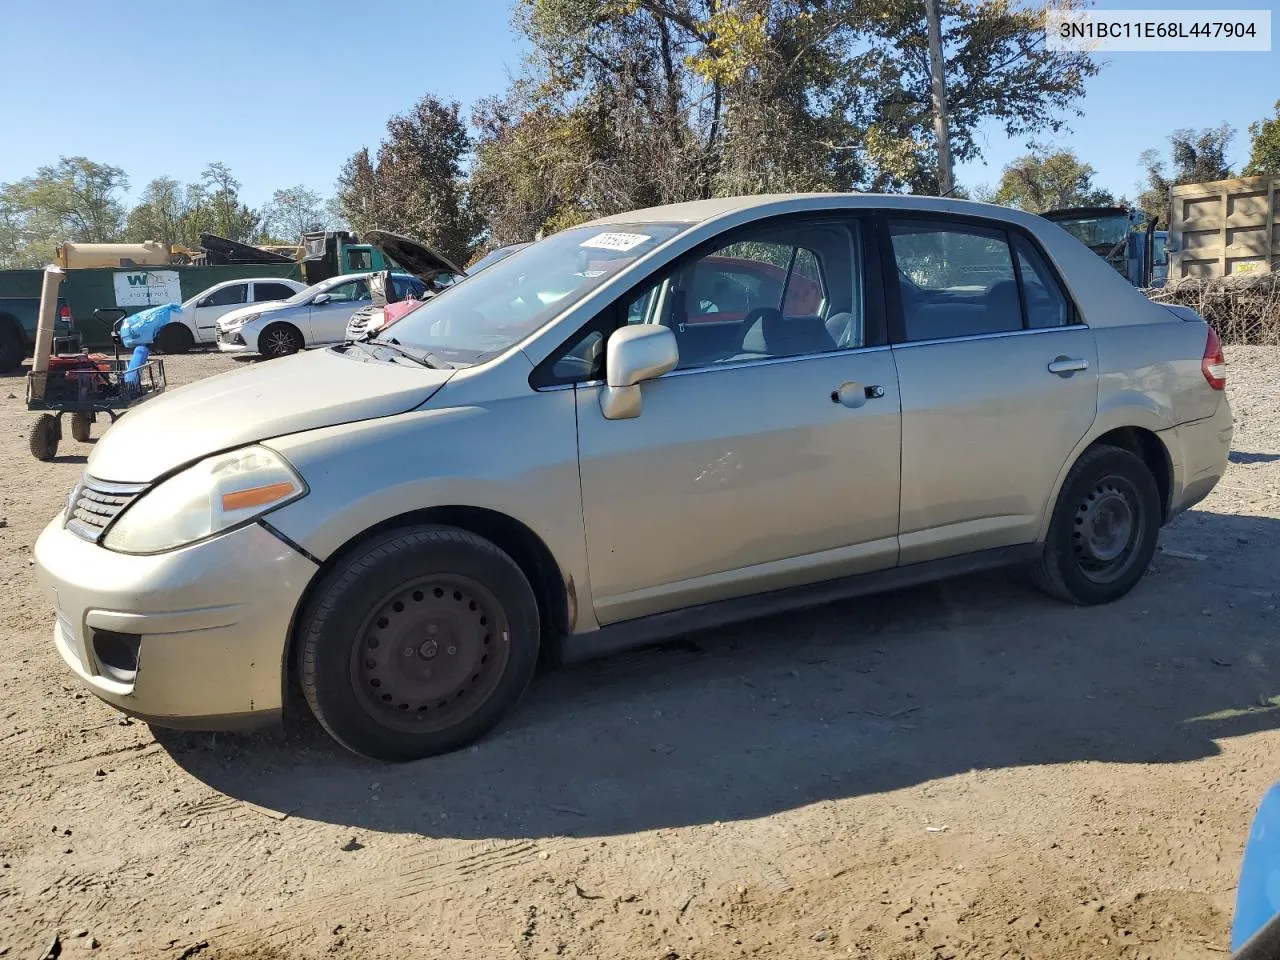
[227, 296]
[956, 280]
[349, 292]
[1045, 302]
[785, 292]
[263, 292]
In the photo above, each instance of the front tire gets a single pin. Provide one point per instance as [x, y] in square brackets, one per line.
[279, 340]
[1104, 529]
[419, 644]
[81, 426]
[44, 436]
[174, 338]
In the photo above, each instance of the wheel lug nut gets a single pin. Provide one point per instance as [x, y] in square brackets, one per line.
[408, 651]
[452, 651]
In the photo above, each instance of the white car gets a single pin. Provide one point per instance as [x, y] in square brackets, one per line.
[428, 265]
[196, 322]
[313, 316]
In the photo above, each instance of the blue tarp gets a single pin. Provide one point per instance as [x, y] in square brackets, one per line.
[141, 328]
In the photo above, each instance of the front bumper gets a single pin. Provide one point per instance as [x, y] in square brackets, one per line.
[235, 341]
[210, 623]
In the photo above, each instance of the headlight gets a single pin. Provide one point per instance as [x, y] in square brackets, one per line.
[216, 494]
[235, 322]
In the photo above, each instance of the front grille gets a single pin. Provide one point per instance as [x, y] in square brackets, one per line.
[94, 504]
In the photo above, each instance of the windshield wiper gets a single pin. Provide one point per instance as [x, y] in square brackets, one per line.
[423, 357]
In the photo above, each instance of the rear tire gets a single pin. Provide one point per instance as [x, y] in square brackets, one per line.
[279, 340]
[11, 346]
[174, 338]
[44, 437]
[81, 423]
[419, 643]
[1104, 529]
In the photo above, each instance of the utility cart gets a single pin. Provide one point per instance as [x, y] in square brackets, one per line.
[85, 385]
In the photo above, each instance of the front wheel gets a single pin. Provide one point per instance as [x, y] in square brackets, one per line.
[175, 338]
[44, 436]
[1104, 529]
[419, 644]
[279, 340]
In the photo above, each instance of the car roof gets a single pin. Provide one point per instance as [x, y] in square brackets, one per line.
[699, 211]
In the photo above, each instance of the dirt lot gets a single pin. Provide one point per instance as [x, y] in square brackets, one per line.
[965, 770]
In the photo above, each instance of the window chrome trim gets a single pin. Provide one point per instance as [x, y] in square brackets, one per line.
[1000, 335]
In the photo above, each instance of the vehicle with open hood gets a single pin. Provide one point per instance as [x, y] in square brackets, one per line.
[552, 457]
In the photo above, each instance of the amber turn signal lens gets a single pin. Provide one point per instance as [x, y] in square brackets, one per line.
[256, 496]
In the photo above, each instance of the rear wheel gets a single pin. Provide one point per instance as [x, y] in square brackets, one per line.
[174, 338]
[80, 426]
[1104, 529]
[44, 436]
[419, 644]
[279, 340]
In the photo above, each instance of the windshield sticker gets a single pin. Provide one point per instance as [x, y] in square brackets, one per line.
[615, 241]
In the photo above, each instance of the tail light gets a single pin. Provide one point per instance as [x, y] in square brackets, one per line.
[64, 314]
[1214, 363]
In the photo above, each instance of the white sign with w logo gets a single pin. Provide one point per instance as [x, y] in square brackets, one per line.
[147, 288]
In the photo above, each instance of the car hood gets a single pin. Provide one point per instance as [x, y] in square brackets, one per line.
[423, 262]
[318, 388]
[271, 306]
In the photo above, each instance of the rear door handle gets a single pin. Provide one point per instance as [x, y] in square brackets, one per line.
[1065, 366]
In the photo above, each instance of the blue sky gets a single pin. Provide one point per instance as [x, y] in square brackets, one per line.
[137, 88]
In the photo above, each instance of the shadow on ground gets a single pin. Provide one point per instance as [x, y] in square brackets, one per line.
[854, 698]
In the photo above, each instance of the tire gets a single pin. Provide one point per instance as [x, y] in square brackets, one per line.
[81, 424]
[44, 437]
[373, 668]
[174, 338]
[279, 340]
[12, 347]
[1104, 529]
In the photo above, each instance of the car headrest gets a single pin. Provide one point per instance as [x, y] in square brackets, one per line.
[768, 332]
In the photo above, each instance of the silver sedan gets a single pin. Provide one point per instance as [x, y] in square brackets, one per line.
[649, 424]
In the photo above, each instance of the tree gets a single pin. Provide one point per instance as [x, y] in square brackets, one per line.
[1046, 180]
[292, 212]
[1199, 156]
[216, 206]
[627, 103]
[1264, 147]
[77, 197]
[416, 186]
[160, 213]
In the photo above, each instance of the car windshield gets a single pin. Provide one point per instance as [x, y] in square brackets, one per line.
[506, 302]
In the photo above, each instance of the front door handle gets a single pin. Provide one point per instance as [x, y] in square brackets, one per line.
[1065, 366]
[851, 393]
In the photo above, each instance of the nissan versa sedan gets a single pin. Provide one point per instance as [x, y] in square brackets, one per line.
[623, 432]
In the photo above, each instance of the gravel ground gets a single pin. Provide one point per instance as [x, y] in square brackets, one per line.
[963, 770]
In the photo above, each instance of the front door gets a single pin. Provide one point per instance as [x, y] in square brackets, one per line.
[328, 320]
[222, 301]
[999, 384]
[770, 456]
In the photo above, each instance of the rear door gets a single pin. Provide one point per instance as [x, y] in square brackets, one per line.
[328, 320]
[999, 382]
[268, 291]
[222, 301]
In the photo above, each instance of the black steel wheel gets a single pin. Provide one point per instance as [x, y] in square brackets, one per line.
[1104, 528]
[418, 643]
[44, 437]
[431, 651]
[279, 340]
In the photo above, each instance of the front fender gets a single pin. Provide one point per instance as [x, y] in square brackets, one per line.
[516, 456]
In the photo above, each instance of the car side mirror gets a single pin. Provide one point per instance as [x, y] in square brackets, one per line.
[319, 298]
[203, 303]
[635, 354]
